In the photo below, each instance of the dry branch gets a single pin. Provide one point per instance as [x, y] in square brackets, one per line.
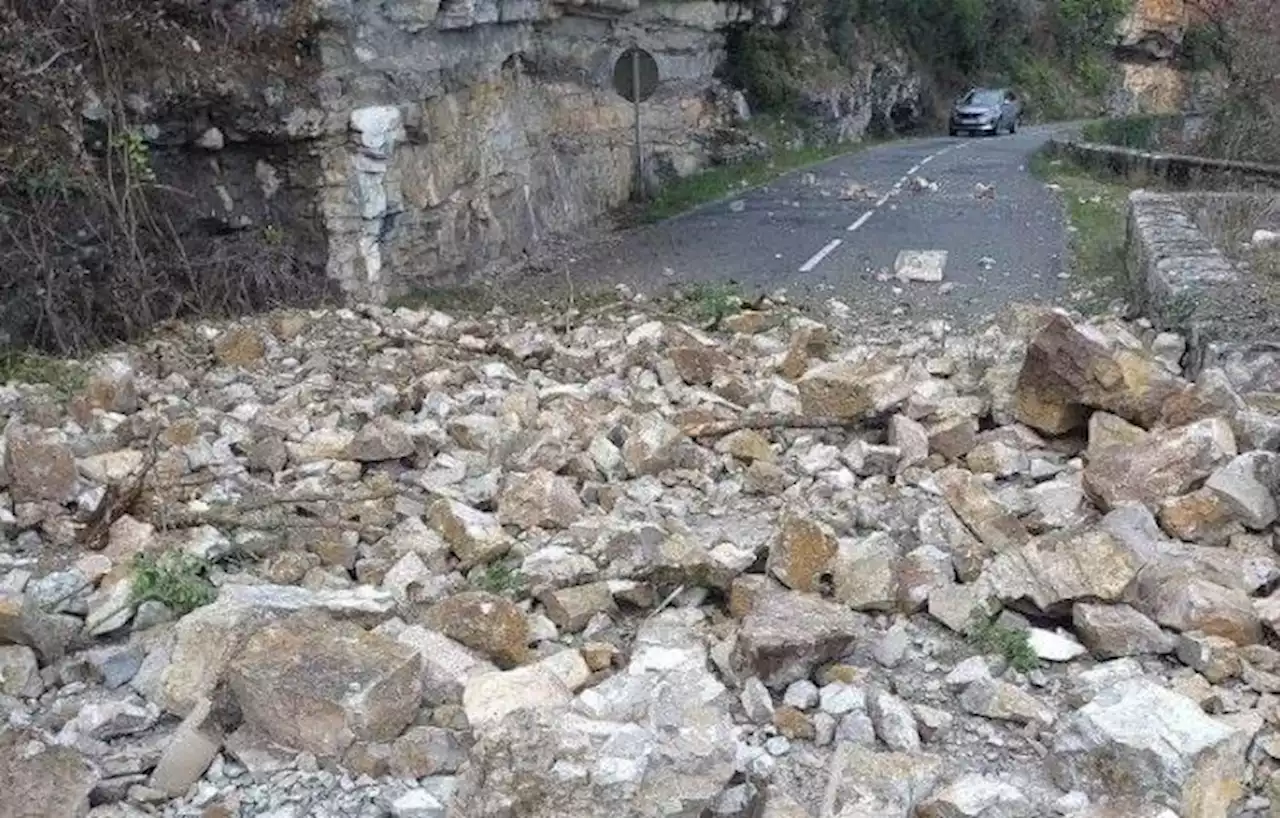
[720, 428]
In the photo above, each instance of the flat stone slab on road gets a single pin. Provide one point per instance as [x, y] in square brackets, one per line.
[920, 265]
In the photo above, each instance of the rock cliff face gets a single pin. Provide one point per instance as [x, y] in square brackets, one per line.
[437, 136]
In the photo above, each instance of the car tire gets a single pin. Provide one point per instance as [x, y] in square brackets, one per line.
[953, 132]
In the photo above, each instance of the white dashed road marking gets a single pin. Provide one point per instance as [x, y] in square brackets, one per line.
[820, 255]
[861, 221]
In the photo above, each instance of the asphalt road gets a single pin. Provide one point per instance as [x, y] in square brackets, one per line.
[818, 237]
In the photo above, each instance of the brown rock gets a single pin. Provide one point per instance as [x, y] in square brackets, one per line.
[239, 346]
[1057, 569]
[41, 468]
[598, 655]
[1201, 516]
[787, 634]
[865, 573]
[699, 364]
[474, 536]
[318, 685]
[849, 390]
[381, 439]
[920, 571]
[40, 780]
[1166, 464]
[189, 752]
[484, 622]
[974, 504]
[572, 608]
[744, 591]
[424, 751]
[1183, 601]
[801, 553]
[113, 387]
[1107, 430]
[1068, 368]
[539, 499]
[953, 438]
[1113, 631]
[747, 445]
[793, 724]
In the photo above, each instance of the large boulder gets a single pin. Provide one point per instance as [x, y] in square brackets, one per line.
[1162, 464]
[1138, 739]
[39, 779]
[1057, 569]
[319, 685]
[852, 390]
[1071, 368]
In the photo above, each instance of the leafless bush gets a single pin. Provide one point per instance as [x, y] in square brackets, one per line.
[95, 244]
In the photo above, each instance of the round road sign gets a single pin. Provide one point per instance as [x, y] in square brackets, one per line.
[635, 71]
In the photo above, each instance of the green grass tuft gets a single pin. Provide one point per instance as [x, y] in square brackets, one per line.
[22, 366]
[988, 636]
[502, 578]
[175, 578]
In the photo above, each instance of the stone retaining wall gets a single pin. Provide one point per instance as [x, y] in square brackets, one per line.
[1176, 170]
[1183, 282]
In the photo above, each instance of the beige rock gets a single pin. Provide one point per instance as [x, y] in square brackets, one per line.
[1166, 464]
[42, 780]
[474, 536]
[1069, 367]
[484, 622]
[1063, 567]
[572, 608]
[747, 445]
[1113, 631]
[545, 684]
[446, 664]
[974, 504]
[911, 439]
[802, 552]
[919, 573]
[953, 438]
[895, 783]
[1002, 701]
[190, 751]
[853, 390]
[40, 466]
[19, 672]
[1201, 516]
[651, 446]
[239, 346]
[977, 796]
[381, 439]
[539, 499]
[699, 364]
[1184, 601]
[426, 751]
[318, 685]
[1107, 430]
[865, 573]
[112, 387]
[1213, 657]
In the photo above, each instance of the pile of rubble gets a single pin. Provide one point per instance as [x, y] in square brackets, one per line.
[370, 563]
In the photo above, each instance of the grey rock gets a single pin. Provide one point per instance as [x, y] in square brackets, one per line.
[786, 635]
[1112, 631]
[894, 722]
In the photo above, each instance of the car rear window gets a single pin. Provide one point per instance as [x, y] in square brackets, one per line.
[982, 98]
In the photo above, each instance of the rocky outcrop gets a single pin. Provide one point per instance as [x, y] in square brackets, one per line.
[418, 140]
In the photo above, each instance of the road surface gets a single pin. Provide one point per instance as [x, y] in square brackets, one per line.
[834, 231]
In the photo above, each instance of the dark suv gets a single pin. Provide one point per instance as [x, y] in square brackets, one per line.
[985, 110]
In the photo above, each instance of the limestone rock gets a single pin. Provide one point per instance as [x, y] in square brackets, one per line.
[1068, 368]
[190, 751]
[1165, 464]
[999, 700]
[572, 608]
[974, 504]
[484, 622]
[1201, 516]
[1137, 738]
[446, 664]
[651, 447]
[1246, 485]
[476, 537]
[1185, 602]
[1113, 631]
[426, 751]
[113, 387]
[977, 796]
[546, 684]
[699, 364]
[539, 499]
[852, 390]
[41, 780]
[747, 445]
[786, 635]
[801, 553]
[19, 672]
[910, 438]
[894, 722]
[865, 573]
[870, 783]
[1060, 568]
[381, 439]
[41, 467]
[318, 685]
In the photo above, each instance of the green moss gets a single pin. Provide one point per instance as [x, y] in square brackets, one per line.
[502, 578]
[24, 366]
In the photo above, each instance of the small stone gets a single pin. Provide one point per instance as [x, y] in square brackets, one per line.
[1054, 646]
[848, 390]
[756, 701]
[211, 140]
[418, 803]
[856, 728]
[920, 265]
[839, 698]
[190, 751]
[1245, 484]
[426, 751]
[1213, 657]
[19, 672]
[932, 723]
[802, 694]
[999, 700]
[892, 647]
[747, 445]
[40, 467]
[974, 504]
[910, 439]
[546, 684]
[1164, 464]
[794, 724]
[894, 722]
[651, 447]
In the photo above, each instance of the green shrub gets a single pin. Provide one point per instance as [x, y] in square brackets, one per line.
[1138, 132]
[175, 578]
[759, 62]
[1014, 645]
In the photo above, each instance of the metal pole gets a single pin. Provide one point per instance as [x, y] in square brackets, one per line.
[635, 97]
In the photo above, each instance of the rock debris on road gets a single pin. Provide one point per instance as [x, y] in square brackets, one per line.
[497, 567]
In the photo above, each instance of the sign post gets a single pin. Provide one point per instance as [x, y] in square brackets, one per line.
[635, 78]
